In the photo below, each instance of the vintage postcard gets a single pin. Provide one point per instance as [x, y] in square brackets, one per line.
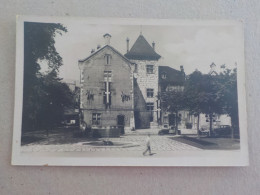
[129, 92]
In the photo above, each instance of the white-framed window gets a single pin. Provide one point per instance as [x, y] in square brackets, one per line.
[96, 118]
[108, 59]
[149, 69]
[107, 75]
[149, 106]
[149, 92]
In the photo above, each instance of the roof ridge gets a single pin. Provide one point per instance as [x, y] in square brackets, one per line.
[94, 53]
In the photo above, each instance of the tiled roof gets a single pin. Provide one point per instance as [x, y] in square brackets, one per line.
[172, 76]
[142, 50]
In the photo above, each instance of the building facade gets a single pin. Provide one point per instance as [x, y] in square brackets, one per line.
[171, 79]
[124, 90]
[146, 62]
[107, 88]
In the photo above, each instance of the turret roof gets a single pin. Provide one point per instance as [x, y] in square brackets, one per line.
[142, 50]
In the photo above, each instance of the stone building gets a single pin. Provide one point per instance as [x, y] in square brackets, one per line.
[107, 88]
[145, 60]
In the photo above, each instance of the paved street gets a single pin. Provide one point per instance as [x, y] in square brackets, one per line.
[132, 143]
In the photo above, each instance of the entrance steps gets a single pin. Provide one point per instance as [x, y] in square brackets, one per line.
[154, 125]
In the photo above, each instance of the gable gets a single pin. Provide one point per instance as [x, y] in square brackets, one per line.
[102, 49]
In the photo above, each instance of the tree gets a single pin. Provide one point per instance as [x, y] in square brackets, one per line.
[203, 96]
[43, 93]
[228, 95]
[173, 101]
[193, 95]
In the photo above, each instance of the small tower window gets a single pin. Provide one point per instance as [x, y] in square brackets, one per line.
[149, 106]
[149, 69]
[107, 59]
[149, 93]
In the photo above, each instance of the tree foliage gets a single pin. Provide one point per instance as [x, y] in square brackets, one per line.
[213, 94]
[44, 94]
[173, 101]
[228, 94]
[207, 94]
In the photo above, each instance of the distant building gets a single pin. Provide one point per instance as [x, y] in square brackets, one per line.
[171, 79]
[71, 114]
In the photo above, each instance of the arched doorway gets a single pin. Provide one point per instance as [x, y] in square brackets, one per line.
[121, 123]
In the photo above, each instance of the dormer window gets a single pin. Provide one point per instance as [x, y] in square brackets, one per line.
[163, 75]
[107, 59]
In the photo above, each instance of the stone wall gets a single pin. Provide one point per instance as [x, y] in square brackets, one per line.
[145, 80]
[92, 82]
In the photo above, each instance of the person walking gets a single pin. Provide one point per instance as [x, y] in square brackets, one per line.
[148, 145]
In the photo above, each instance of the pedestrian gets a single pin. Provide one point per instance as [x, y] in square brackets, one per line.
[148, 145]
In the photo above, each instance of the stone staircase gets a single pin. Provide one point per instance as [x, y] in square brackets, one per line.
[154, 125]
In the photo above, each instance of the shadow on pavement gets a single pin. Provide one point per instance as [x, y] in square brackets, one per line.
[210, 143]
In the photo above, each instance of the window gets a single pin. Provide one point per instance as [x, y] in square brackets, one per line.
[163, 75]
[149, 93]
[175, 88]
[149, 69]
[136, 68]
[107, 59]
[107, 76]
[149, 106]
[107, 95]
[96, 118]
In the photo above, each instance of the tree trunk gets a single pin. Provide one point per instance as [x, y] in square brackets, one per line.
[198, 126]
[210, 124]
[176, 121]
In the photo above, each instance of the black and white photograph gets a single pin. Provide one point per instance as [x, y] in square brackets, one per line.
[129, 92]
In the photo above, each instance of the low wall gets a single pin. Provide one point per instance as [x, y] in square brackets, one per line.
[107, 132]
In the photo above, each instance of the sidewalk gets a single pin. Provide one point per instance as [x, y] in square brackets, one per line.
[143, 132]
[188, 131]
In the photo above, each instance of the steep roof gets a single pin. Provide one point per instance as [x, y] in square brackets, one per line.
[142, 50]
[172, 76]
[106, 46]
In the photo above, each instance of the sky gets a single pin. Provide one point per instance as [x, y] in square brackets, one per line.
[193, 46]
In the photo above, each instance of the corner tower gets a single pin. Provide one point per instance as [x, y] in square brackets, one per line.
[145, 58]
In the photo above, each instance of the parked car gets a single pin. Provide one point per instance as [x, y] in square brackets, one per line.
[166, 129]
[222, 131]
[204, 130]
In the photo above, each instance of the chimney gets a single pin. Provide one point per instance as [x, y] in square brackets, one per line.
[107, 38]
[153, 44]
[127, 44]
[182, 69]
[92, 50]
[98, 47]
